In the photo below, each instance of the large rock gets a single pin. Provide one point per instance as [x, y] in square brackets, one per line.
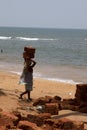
[7, 119]
[39, 118]
[83, 107]
[69, 104]
[51, 108]
[81, 92]
[26, 125]
[2, 128]
[46, 99]
[64, 124]
[81, 97]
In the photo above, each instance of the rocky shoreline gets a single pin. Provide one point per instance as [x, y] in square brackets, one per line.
[49, 111]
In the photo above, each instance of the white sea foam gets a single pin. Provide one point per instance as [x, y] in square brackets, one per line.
[35, 39]
[62, 80]
[4, 38]
[38, 75]
[18, 73]
[47, 39]
[27, 39]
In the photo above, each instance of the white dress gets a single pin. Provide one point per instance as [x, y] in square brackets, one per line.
[27, 79]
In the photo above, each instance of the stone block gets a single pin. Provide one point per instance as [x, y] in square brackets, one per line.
[2, 128]
[65, 124]
[81, 92]
[26, 125]
[35, 119]
[51, 108]
[9, 115]
[7, 119]
[45, 116]
[29, 52]
[29, 49]
[26, 54]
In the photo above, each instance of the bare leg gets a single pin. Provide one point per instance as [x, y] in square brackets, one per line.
[28, 94]
[22, 94]
[29, 99]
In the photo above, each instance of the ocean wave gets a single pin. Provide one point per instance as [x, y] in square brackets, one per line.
[26, 38]
[19, 73]
[62, 80]
[38, 75]
[35, 39]
[14, 72]
[4, 38]
[45, 39]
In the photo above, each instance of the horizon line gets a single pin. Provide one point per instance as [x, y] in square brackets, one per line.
[43, 27]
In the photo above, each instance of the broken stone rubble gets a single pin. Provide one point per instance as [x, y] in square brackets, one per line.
[45, 108]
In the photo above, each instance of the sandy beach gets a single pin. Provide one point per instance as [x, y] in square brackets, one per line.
[10, 90]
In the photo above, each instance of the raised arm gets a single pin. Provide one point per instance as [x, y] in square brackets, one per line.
[33, 63]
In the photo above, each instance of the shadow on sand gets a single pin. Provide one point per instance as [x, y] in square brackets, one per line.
[74, 113]
[2, 93]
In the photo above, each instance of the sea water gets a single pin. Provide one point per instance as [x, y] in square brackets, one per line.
[61, 54]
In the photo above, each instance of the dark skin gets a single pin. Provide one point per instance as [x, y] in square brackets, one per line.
[26, 92]
[30, 68]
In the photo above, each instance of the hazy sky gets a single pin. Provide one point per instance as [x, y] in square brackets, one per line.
[44, 13]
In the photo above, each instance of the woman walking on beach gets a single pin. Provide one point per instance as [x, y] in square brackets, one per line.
[27, 77]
